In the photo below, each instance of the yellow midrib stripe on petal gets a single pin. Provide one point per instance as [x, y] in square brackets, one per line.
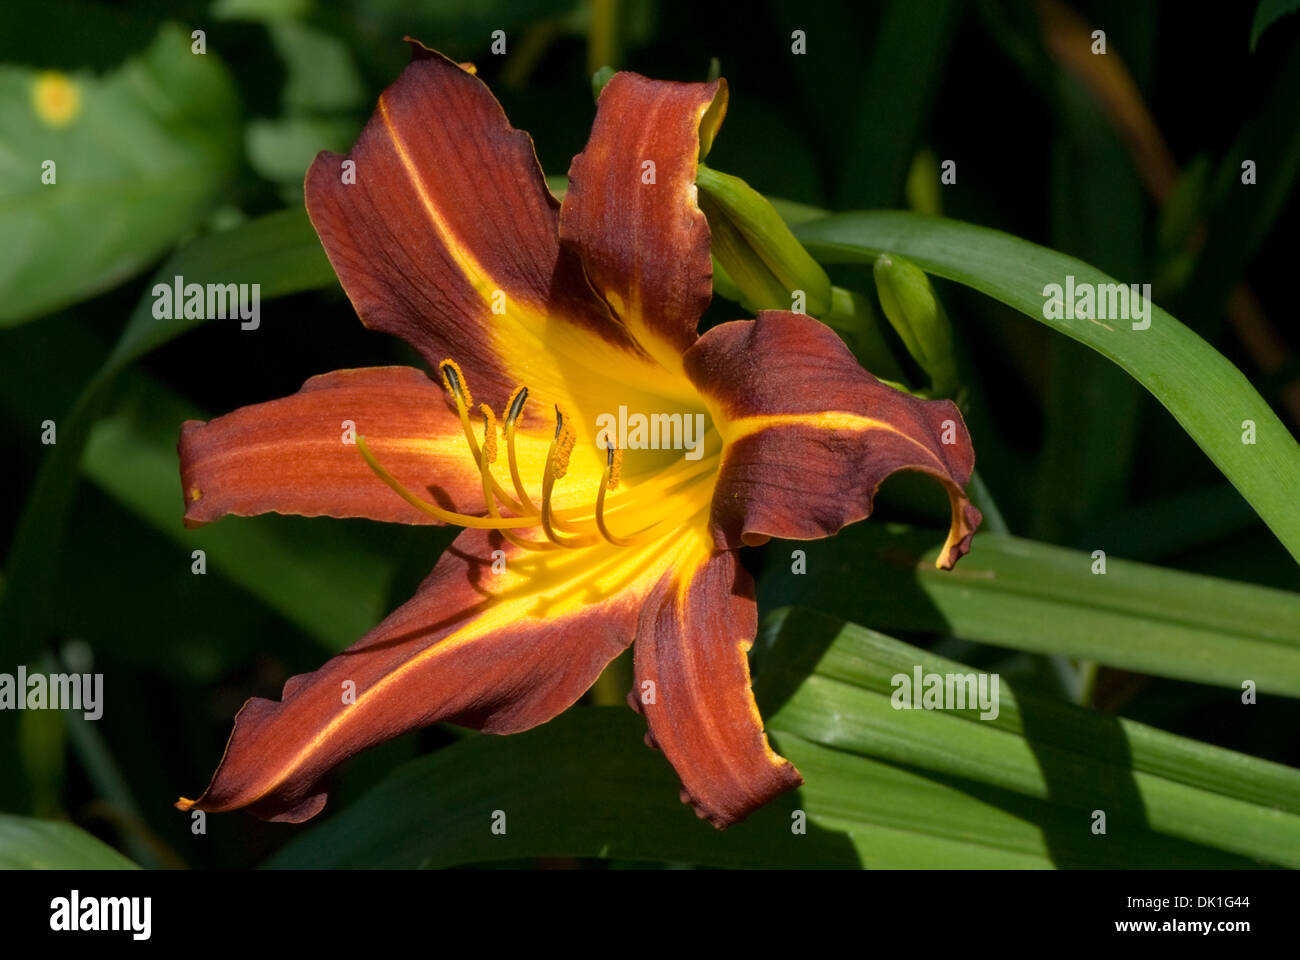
[574, 345]
[685, 578]
[741, 427]
[478, 276]
[606, 570]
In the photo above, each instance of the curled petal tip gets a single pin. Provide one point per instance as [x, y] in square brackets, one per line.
[966, 519]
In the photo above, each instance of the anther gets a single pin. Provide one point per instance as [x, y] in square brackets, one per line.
[564, 440]
[455, 382]
[614, 465]
[489, 434]
[515, 405]
[608, 481]
[514, 410]
[557, 465]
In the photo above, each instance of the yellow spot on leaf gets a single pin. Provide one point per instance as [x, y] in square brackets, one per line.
[194, 493]
[56, 99]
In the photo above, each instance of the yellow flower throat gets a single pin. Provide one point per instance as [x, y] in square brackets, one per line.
[571, 528]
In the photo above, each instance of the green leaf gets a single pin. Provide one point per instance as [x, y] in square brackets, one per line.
[1207, 395]
[139, 156]
[282, 254]
[331, 584]
[334, 580]
[584, 785]
[267, 11]
[323, 96]
[839, 684]
[1031, 596]
[282, 149]
[29, 844]
[1266, 14]
[1242, 215]
[279, 252]
[901, 80]
[1086, 461]
[321, 73]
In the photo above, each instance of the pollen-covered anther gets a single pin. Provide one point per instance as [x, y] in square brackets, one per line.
[515, 405]
[557, 465]
[614, 464]
[564, 440]
[454, 381]
[515, 410]
[608, 481]
[489, 433]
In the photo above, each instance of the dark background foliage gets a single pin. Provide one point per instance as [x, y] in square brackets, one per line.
[1074, 451]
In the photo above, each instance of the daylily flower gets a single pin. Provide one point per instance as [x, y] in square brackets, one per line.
[548, 324]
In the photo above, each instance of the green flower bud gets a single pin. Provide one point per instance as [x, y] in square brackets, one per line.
[599, 79]
[757, 251]
[918, 317]
[856, 321]
[723, 285]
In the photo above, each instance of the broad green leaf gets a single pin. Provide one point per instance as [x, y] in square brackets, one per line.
[324, 97]
[902, 77]
[267, 11]
[138, 157]
[29, 844]
[1045, 599]
[1207, 395]
[1268, 13]
[283, 148]
[584, 785]
[281, 253]
[1186, 520]
[321, 74]
[839, 685]
[330, 584]
[1085, 464]
[459, 28]
[319, 575]
[1243, 214]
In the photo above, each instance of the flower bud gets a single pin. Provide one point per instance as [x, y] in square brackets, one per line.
[765, 263]
[599, 79]
[919, 319]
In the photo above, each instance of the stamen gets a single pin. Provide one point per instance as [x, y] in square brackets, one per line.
[562, 450]
[515, 405]
[489, 434]
[570, 527]
[514, 410]
[563, 447]
[459, 389]
[654, 488]
[433, 510]
[485, 474]
[455, 382]
[608, 481]
[614, 465]
[557, 464]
